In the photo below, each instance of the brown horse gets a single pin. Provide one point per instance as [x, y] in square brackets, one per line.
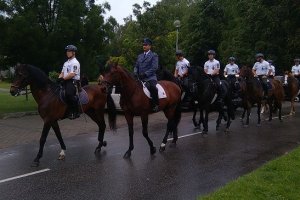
[291, 87]
[135, 103]
[275, 98]
[51, 108]
[251, 93]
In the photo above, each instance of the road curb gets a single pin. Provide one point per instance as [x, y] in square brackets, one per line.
[17, 114]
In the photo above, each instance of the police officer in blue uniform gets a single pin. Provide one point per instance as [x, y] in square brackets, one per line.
[145, 69]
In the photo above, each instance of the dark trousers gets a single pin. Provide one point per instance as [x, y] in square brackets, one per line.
[151, 85]
[264, 84]
[70, 91]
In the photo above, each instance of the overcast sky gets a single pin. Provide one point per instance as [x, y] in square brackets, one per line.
[123, 8]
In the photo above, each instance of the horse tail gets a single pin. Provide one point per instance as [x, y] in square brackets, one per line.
[177, 116]
[112, 112]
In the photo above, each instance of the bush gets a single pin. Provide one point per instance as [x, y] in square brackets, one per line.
[53, 75]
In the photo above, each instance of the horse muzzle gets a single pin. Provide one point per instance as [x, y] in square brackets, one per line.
[14, 91]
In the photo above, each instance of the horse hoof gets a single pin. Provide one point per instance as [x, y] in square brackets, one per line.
[97, 150]
[104, 144]
[152, 150]
[61, 157]
[127, 155]
[204, 134]
[226, 130]
[217, 128]
[162, 149]
[245, 125]
[35, 164]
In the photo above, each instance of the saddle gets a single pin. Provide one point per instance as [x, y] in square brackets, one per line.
[161, 92]
[82, 97]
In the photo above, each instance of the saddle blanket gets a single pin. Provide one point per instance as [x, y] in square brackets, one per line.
[161, 91]
[83, 97]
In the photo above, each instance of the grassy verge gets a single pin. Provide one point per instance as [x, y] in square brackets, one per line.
[10, 104]
[278, 179]
[5, 85]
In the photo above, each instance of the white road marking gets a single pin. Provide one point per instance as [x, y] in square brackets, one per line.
[188, 135]
[283, 116]
[24, 175]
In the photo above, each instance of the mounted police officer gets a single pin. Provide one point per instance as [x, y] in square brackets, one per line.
[261, 69]
[212, 68]
[296, 69]
[69, 77]
[231, 70]
[272, 69]
[145, 69]
[182, 69]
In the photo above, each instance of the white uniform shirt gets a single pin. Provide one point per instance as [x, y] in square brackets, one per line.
[296, 70]
[71, 66]
[262, 68]
[182, 66]
[211, 65]
[231, 69]
[272, 68]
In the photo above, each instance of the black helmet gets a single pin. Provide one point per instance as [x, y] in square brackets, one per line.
[211, 52]
[231, 58]
[147, 41]
[297, 60]
[270, 61]
[259, 55]
[179, 53]
[71, 47]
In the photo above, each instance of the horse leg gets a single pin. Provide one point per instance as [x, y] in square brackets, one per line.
[205, 123]
[194, 117]
[270, 103]
[43, 139]
[258, 114]
[218, 122]
[98, 118]
[145, 134]
[248, 116]
[129, 119]
[60, 139]
[243, 114]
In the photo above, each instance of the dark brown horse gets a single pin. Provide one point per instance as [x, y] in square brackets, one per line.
[135, 103]
[51, 108]
[251, 93]
[291, 87]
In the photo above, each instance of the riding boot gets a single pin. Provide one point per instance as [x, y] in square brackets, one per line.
[74, 111]
[155, 101]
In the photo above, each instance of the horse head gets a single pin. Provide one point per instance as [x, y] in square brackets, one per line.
[21, 79]
[246, 72]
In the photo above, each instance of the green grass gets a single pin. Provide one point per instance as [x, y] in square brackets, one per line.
[5, 85]
[10, 104]
[278, 179]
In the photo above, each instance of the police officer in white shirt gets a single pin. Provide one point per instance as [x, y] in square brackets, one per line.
[231, 70]
[261, 69]
[182, 67]
[212, 68]
[296, 69]
[272, 69]
[69, 76]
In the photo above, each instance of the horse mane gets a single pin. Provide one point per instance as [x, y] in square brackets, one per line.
[246, 72]
[40, 77]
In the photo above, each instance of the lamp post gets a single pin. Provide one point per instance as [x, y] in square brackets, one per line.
[177, 25]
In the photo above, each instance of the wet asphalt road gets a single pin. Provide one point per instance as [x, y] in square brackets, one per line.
[196, 166]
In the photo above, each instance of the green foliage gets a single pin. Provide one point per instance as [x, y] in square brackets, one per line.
[53, 75]
[278, 179]
[121, 61]
[36, 32]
